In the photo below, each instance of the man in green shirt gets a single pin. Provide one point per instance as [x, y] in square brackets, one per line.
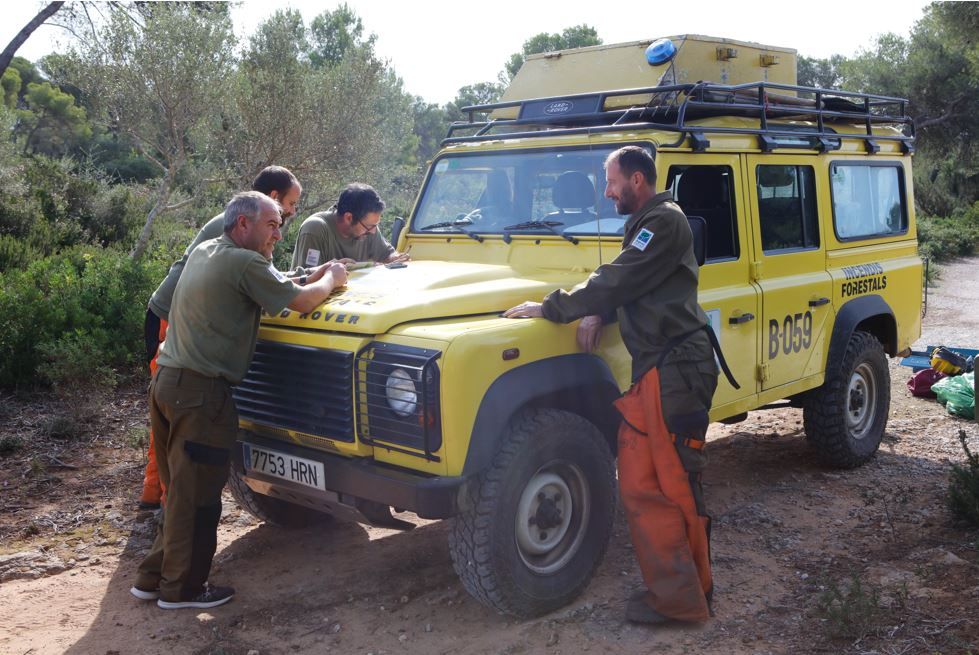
[347, 231]
[277, 183]
[214, 320]
[652, 287]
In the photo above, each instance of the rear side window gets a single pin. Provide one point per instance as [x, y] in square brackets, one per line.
[787, 208]
[868, 201]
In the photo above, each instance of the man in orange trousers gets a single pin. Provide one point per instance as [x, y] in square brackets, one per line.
[652, 287]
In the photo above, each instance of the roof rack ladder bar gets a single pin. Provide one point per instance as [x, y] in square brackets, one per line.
[762, 103]
[866, 108]
[486, 128]
[819, 112]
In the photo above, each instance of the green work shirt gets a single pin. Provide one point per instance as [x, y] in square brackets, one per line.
[651, 284]
[319, 241]
[163, 296]
[217, 306]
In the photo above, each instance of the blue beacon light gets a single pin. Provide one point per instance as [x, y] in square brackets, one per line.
[660, 51]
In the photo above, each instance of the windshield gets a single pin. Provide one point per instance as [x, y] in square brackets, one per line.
[504, 191]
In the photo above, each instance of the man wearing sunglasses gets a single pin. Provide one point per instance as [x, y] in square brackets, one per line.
[347, 232]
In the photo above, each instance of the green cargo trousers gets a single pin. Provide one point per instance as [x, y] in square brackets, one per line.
[195, 424]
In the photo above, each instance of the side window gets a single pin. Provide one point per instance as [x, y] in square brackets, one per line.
[868, 201]
[708, 192]
[787, 208]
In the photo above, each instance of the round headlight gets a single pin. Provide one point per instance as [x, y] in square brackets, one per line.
[401, 394]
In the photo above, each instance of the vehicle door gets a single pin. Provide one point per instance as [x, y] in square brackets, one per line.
[789, 265]
[710, 186]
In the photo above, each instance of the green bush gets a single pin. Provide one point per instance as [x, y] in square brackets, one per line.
[74, 316]
[963, 486]
[944, 238]
[850, 611]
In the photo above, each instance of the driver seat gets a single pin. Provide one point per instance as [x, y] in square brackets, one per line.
[574, 196]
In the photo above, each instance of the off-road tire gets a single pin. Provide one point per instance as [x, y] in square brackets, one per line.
[268, 509]
[566, 458]
[844, 419]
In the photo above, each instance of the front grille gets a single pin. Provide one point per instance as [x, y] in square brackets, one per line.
[299, 388]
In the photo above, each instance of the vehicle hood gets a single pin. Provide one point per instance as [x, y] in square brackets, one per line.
[378, 298]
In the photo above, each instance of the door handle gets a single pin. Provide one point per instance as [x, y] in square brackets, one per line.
[744, 318]
[818, 302]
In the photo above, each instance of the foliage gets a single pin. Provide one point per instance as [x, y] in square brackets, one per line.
[578, 36]
[160, 81]
[335, 33]
[482, 93]
[52, 122]
[937, 68]
[68, 318]
[822, 73]
[963, 486]
[48, 204]
[944, 238]
[10, 83]
[10, 444]
[850, 611]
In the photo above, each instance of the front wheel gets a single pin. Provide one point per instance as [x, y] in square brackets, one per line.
[537, 522]
[845, 418]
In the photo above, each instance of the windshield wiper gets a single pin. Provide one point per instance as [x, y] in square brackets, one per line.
[537, 225]
[455, 228]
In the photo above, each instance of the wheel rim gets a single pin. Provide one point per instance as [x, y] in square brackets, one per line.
[861, 401]
[551, 517]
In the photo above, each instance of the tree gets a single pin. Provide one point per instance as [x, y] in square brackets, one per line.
[937, 69]
[430, 127]
[331, 114]
[578, 36]
[52, 119]
[8, 53]
[334, 33]
[822, 73]
[11, 84]
[481, 93]
[159, 76]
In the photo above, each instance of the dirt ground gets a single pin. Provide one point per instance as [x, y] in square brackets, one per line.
[807, 559]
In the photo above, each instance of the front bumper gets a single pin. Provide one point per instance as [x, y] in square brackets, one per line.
[349, 480]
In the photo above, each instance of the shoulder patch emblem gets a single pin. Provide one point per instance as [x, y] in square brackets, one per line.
[312, 257]
[642, 239]
[277, 273]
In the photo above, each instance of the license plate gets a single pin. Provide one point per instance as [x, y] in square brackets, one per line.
[288, 467]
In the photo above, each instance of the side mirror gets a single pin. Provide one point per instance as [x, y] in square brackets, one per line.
[396, 227]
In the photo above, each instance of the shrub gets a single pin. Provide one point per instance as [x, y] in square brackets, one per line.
[10, 444]
[850, 611]
[944, 238]
[74, 316]
[963, 486]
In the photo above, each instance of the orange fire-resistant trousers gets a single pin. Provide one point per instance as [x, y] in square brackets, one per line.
[661, 457]
[152, 487]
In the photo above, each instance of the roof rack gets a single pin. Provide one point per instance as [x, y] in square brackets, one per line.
[672, 108]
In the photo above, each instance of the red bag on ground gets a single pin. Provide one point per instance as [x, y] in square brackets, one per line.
[920, 383]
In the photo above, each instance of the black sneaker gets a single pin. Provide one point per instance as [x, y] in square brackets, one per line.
[145, 506]
[210, 597]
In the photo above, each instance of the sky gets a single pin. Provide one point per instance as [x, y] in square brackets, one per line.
[438, 46]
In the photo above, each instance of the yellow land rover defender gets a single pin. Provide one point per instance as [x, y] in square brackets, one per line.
[407, 390]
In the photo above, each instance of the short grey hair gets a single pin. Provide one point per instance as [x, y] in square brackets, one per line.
[246, 203]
